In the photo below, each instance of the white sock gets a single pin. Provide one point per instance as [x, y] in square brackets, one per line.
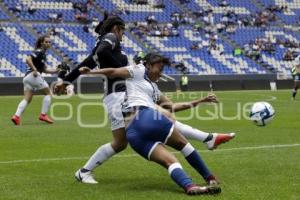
[21, 107]
[46, 104]
[187, 150]
[190, 132]
[102, 154]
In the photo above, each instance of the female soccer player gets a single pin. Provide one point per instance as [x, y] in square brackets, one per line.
[148, 130]
[33, 80]
[109, 54]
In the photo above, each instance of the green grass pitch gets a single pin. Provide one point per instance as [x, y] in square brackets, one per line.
[38, 161]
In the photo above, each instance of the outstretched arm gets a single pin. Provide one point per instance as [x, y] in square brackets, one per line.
[175, 107]
[109, 72]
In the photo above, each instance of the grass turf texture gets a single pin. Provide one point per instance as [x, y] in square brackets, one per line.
[267, 173]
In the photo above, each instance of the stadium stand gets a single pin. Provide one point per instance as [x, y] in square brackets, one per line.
[180, 29]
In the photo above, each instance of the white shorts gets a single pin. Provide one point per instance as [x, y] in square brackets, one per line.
[113, 105]
[34, 83]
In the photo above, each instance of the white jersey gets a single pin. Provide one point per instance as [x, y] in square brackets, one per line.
[140, 90]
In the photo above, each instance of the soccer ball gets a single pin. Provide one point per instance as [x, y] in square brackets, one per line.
[262, 113]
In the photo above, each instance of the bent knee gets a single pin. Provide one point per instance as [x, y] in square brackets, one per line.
[119, 145]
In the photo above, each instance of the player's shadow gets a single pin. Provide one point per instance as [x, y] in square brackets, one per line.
[138, 184]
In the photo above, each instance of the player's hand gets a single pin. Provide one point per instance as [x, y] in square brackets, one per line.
[211, 98]
[84, 70]
[35, 74]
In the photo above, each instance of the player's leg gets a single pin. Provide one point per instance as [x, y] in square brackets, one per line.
[145, 134]
[29, 82]
[102, 154]
[46, 105]
[163, 157]
[151, 125]
[295, 88]
[119, 143]
[28, 94]
[178, 142]
[212, 140]
[106, 151]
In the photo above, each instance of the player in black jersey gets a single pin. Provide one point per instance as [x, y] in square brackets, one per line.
[91, 61]
[107, 53]
[33, 81]
[63, 70]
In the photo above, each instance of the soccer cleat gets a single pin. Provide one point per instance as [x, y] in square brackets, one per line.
[219, 139]
[86, 177]
[214, 189]
[16, 120]
[211, 180]
[45, 118]
[196, 190]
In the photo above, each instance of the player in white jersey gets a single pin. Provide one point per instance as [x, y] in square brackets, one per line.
[113, 107]
[148, 129]
[33, 80]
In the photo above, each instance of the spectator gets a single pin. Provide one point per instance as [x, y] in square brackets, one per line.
[224, 3]
[158, 4]
[184, 81]
[55, 17]
[151, 20]
[289, 55]
[141, 2]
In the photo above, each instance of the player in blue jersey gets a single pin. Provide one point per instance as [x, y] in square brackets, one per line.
[33, 80]
[148, 130]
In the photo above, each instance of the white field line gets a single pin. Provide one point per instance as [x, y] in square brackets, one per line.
[136, 155]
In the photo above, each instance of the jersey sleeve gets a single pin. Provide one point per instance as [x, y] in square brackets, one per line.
[136, 72]
[37, 54]
[105, 52]
[111, 39]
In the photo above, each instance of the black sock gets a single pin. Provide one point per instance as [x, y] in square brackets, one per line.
[84, 170]
[209, 137]
[294, 93]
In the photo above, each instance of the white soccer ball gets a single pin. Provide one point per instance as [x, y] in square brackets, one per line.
[262, 113]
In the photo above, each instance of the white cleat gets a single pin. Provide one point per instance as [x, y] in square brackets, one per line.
[86, 177]
[218, 139]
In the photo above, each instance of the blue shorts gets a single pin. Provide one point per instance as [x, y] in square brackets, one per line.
[148, 128]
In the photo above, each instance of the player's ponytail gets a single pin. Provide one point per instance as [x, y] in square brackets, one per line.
[106, 25]
[98, 27]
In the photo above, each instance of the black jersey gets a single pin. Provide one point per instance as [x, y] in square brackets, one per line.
[109, 54]
[38, 57]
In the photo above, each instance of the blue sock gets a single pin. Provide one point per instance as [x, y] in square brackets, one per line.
[198, 164]
[180, 177]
